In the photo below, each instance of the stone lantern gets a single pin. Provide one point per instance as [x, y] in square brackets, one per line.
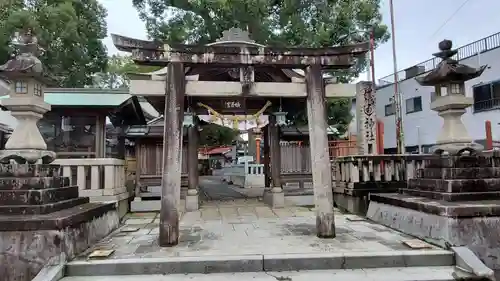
[449, 77]
[25, 75]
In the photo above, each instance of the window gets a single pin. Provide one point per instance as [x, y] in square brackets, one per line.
[390, 109]
[21, 87]
[413, 105]
[455, 88]
[486, 96]
[38, 90]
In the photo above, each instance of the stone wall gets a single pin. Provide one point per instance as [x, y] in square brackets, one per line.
[479, 234]
[24, 253]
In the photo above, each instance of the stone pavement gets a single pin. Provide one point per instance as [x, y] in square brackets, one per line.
[212, 188]
[246, 227]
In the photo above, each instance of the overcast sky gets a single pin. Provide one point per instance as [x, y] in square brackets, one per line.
[420, 25]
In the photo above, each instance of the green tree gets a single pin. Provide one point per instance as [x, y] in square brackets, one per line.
[115, 74]
[70, 32]
[309, 23]
[338, 113]
[215, 135]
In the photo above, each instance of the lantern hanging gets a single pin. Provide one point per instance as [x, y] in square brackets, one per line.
[188, 119]
[280, 116]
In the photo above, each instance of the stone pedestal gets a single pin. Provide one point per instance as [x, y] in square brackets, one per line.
[454, 201]
[191, 202]
[274, 197]
[42, 219]
[453, 137]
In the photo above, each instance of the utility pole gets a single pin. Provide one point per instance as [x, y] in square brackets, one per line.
[397, 95]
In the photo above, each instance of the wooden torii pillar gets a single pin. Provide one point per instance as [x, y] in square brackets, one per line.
[313, 61]
[172, 154]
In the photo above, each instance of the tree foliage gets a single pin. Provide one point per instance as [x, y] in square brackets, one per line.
[309, 23]
[215, 135]
[338, 111]
[70, 32]
[115, 74]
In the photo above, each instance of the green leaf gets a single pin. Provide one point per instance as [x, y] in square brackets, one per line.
[70, 31]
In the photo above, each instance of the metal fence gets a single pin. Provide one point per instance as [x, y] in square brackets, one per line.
[486, 44]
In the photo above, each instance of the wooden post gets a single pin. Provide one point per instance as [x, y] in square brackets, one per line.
[321, 172]
[274, 143]
[172, 147]
[138, 170]
[192, 161]
[489, 135]
[267, 167]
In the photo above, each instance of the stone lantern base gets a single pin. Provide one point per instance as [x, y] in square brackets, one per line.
[27, 156]
[453, 138]
[42, 215]
[453, 201]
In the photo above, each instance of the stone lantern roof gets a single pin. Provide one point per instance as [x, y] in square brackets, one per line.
[26, 62]
[449, 70]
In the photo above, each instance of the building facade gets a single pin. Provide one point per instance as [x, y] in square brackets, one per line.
[421, 124]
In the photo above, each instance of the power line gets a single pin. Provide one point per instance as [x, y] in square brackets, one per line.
[449, 19]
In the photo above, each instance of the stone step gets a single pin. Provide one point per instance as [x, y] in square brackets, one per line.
[37, 196]
[450, 196]
[10, 183]
[438, 273]
[257, 263]
[455, 186]
[42, 209]
[459, 173]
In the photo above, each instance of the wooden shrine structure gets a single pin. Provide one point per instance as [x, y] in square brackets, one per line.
[236, 75]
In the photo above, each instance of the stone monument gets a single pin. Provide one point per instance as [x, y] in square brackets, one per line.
[42, 218]
[455, 198]
[449, 77]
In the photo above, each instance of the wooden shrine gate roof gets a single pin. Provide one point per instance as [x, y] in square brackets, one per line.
[236, 48]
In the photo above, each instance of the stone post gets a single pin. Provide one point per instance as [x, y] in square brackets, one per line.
[366, 116]
[275, 197]
[266, 162]
[320, 156]
[193, 172]
[172, 147]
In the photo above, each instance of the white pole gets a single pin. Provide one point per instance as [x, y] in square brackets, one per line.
[419, 143]
[397, 95]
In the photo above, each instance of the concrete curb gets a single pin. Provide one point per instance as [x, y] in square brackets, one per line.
[259, 263]
[50, 273]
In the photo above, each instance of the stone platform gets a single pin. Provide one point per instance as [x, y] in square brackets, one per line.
[246, 235]
[438, 273]
[43, 221]
[454, 201]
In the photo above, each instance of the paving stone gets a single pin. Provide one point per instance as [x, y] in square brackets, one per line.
[139, 221]
[210, 214]
[234, 234]
[141, 215]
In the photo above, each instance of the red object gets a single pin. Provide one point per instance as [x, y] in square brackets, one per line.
[215, 150]
[257, 151]
[380, 137]
[489, 137]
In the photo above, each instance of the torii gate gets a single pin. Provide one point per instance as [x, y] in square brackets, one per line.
[249, 58]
